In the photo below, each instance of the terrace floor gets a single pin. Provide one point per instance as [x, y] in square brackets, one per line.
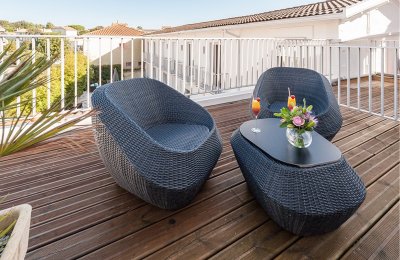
[79, 212]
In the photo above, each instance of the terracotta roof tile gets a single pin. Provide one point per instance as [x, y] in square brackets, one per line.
[321, 8]
[117, 30]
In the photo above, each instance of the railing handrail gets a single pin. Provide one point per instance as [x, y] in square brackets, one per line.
[202, 65]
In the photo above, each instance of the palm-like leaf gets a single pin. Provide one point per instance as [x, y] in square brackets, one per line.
[27, 75]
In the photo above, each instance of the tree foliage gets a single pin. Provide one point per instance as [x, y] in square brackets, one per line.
[80, 28]
[49, 25]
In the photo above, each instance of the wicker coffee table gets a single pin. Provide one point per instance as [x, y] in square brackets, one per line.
[305, 191]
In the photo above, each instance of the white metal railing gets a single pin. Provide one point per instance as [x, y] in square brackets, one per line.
[209, 66]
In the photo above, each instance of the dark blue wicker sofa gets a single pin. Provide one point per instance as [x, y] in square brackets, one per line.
[272, 88]
[155, 142]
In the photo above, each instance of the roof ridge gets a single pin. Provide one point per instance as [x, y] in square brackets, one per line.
[112, 30]
[317, 8]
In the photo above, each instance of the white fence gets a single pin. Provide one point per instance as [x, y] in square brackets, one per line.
[204, 66]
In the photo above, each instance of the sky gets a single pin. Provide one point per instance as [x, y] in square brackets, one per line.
[150, 14]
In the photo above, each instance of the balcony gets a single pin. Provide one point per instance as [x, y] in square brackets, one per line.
[80, 212]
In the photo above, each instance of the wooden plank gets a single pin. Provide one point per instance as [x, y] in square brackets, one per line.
[213, 237]
[374, 243]
[357, 127]
[334, 244]
[148, 240]
[37, 192]
[74, 204]
[118, 227]
[51, 174]
[364, 135]
[375, 167]
[263, 243]
[45, 233]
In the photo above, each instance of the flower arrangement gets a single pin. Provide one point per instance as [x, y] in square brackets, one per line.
[299, 121]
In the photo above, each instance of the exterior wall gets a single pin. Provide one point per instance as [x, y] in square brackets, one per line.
[69, 33]
[100, 47]
[241, 60]
[289, 29]
[377, 23]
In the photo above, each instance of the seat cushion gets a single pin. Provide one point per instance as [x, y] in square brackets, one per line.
[183, 137]
[276, 106]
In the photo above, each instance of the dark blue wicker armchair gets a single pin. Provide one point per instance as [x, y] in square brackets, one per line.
[272, 88]
[155, 142]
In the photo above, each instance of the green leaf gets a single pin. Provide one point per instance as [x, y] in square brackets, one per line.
[26, 76]
[278, 114]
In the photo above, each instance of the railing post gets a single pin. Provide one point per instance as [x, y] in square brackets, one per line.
[358, 79]
[370, 80]
[33, 90]
[62, 75]
[212, 66]
[198, 65]
[307, 56]
[132, 56]
[225, 65]
[247, 61]
[348, 77]
[75, 74]
[330, 64]
[205, 65]
[252, 61]
[191, 66]
[231, 63]
[48, 72]
[382, 81]
[176, 64]
[240, 63]
[122, 58]
[100, 54]
[151, 59]
[142, 58]
[160, 60]
[184, 66]
[88, 74]
[169, 62]
[395, 85]
[339, 65]
[111, 61]
[18, 45]
[322, 60]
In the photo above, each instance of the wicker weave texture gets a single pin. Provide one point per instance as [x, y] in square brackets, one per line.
[142, 134]
[304, 201]
[272, 88]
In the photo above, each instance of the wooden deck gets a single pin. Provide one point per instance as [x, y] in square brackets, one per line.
[79, 212]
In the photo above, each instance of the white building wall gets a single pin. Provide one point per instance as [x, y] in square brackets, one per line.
[242, 61]
[102, 47]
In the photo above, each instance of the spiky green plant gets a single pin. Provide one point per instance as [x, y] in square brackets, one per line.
[26, 76]
[5, 232]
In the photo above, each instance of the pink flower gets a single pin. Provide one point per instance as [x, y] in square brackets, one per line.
[298, 121]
